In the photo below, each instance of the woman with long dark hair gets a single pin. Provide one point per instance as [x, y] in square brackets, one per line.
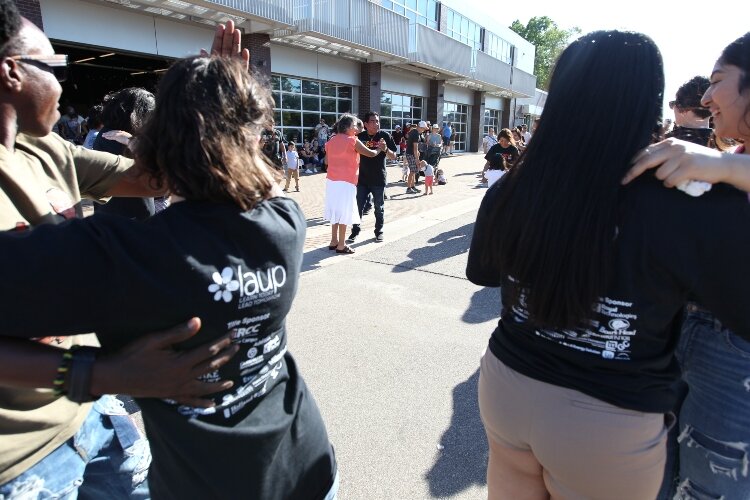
[228, 250]
[579, 378]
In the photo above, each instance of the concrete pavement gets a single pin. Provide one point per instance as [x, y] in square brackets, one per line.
[389, 341]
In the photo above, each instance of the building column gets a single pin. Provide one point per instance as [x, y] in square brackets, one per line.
[259, 45]
[31, 10]
[369, 87]
[505, 118]
[476, 124]
[436, 101]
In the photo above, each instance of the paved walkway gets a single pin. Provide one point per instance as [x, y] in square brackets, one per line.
[461, 194]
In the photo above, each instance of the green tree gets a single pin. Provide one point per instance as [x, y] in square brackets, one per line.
[549, 40]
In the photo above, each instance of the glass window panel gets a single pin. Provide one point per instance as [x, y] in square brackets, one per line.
[291, 101]
[293, 134]
[407, 101]
[311, 103]
[345, 92]
[399, 9]
[328, 105]
[418, 102]
[276, 99]
[432, 24]
[328, 89]
[385, 123]
[345, 106]
[310, 87]
[432, 10]
[422, 7]
[291, 84]
[398, 100]
[310, 119]
[387, 4]
[397, 114]
[329, 118]
[277, 117]
[449, 19]
[386, 98]
[412, 16]
[412, 4]
[275, 83]
[308, 133]
[385, 109]
[291, 118]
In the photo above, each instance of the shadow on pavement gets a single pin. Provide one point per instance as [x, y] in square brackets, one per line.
[485, 305]
[462, 462]
[449, 244]
[316, 221]
[311, 259]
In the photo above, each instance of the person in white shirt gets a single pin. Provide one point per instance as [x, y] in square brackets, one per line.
[489, 140]
[292, 166]
[526, 134]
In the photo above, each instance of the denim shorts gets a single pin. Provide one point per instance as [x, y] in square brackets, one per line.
[107, 458]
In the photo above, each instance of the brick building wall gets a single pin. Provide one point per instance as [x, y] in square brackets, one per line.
[369, 89]
[259, 45]
[31, 10]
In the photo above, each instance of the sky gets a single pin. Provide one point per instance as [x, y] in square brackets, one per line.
[690, 35]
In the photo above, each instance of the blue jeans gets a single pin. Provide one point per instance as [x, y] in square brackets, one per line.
[107, 458]
[378, 202]
[714, 421]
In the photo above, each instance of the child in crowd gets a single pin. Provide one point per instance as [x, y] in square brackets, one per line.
[429, 176]
[292, 166]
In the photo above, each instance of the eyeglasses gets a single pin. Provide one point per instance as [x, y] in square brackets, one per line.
[57, 64]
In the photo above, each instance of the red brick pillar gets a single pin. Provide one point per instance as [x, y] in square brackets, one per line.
[259, 45]
[31, 10]
[369, 87]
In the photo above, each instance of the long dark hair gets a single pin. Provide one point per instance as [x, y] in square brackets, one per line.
[203, 137]
[555, 221]
[737, 54]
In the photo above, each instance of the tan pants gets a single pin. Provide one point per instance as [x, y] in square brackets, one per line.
[587, 449]
[289, 173]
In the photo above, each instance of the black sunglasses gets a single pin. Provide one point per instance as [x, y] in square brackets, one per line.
[57, 64]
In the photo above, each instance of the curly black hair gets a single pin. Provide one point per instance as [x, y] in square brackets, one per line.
[10, 23]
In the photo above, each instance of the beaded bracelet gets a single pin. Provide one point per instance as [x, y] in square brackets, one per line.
[58, 385]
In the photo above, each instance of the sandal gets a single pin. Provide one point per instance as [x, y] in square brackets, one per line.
[347, 249]
[332, 247]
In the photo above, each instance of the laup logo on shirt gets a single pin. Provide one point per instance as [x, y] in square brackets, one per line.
[246, 284]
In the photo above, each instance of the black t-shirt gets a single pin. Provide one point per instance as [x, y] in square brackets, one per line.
[238, 271]
[497, 153]
[397, 135]
[132, 208]
[700, 136]
[669, 245]
[372, 170]
[413, 137]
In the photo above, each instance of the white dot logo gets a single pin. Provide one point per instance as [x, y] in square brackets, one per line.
[224, 285]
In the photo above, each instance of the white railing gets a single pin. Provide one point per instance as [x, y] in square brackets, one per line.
[438, 50]
[281, 11]
[359, 22]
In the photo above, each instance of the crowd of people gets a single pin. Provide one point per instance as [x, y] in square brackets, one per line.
[623, 329]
